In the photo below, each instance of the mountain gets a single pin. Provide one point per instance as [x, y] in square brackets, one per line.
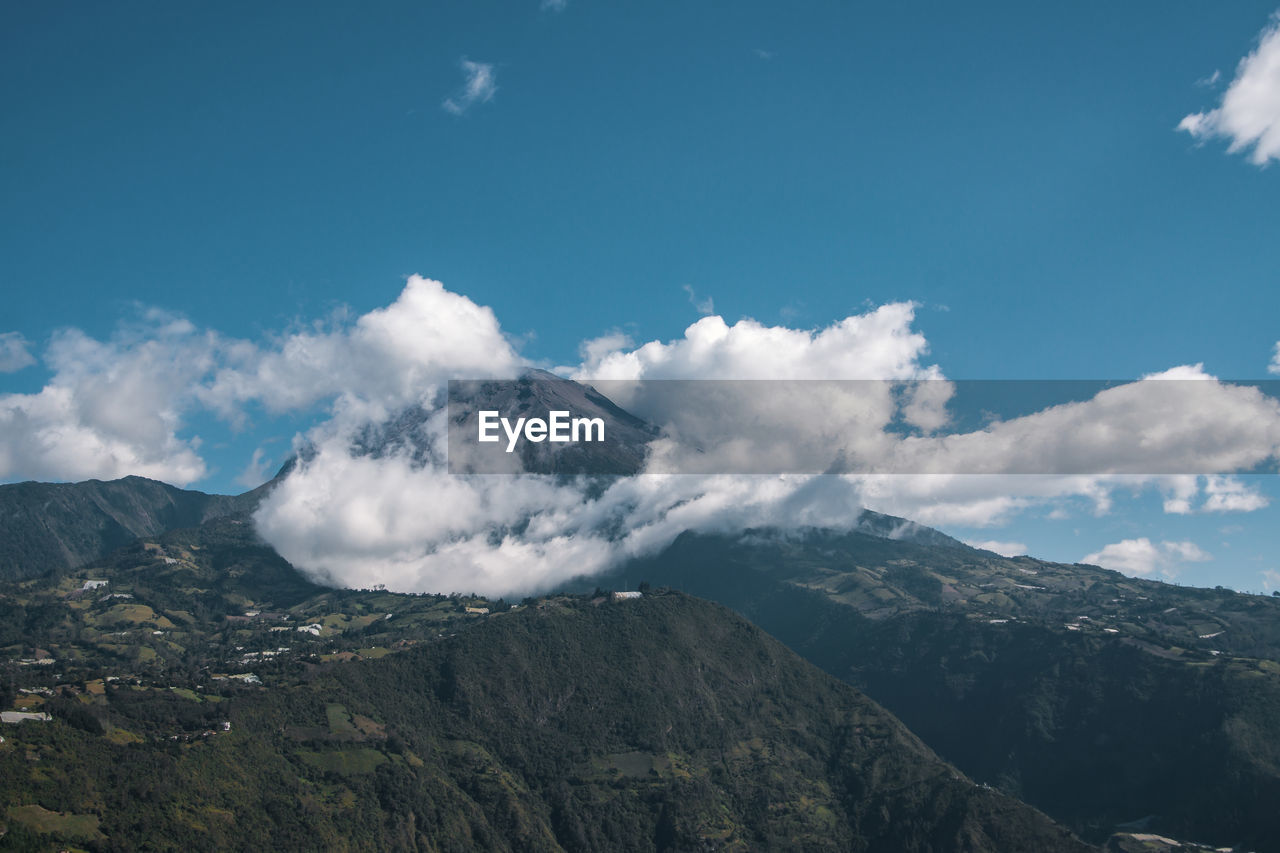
[664, 723]
[52, 527]
[1108, 702]
[1101, 699]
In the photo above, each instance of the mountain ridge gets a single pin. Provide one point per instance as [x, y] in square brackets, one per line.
[52, 527]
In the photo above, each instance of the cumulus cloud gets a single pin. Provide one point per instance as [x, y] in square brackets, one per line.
[880, 344]
[1142, 557]
[14, 354]
[1274, 367]
[119, 406]
[388, 359]
[1249, 114]
[479, 86]
[112, 407]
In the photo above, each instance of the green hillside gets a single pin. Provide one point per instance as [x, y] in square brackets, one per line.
[1096, 697]
[665, 723]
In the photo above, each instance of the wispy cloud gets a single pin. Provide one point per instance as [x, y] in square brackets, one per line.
[1221, 494]
[1211, 80]
[479, 85]
[706, 305]
[1249, 113]
[14, 354]
[257, 472]
[553, 5]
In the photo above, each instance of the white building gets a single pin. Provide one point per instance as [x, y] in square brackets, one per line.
[23, 716]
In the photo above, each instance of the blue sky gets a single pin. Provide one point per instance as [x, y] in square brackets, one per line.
[1015, 170]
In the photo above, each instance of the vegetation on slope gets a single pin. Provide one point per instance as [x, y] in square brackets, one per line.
[1093, 696]
[570, 723]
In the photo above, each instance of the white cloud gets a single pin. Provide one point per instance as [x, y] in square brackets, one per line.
[389, 358]
[1249, 113]
[797, 426]
[1211, 80]
[1004, 549]
[400, 520]
[1274, 367]
[878, 345]
[1153, 426]
[13, 352]
[118, 407]
[1142, 558]
[1270, 579]
[1228, 494]
[553, 5]
[479, 85]
[112, 408]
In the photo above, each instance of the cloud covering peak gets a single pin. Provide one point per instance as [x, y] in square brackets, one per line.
[356, 514]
